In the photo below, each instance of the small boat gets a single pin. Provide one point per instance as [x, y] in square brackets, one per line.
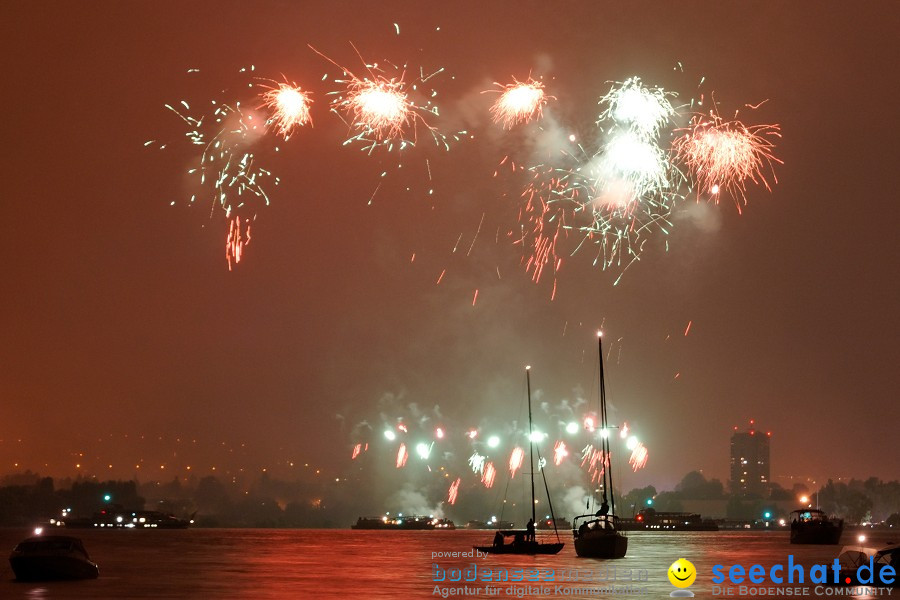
[519, 544]
[813, 526]
[852, 558]
[524, 540]
[43, 558]
[600, 535]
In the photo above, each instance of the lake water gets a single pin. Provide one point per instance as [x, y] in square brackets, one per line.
[357, 565]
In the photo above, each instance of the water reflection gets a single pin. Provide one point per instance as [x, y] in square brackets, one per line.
[260, 564]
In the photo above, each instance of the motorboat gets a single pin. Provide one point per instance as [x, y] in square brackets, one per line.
[50, 557]
[813, 526]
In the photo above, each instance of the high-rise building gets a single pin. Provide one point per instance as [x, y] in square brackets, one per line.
[750, 462]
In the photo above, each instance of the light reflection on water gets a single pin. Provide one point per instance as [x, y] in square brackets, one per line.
[357, 565]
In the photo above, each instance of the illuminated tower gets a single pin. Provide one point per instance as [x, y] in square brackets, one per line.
[750, 462]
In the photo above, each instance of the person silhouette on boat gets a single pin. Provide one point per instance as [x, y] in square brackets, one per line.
[529, 531]
[519, 540]
[498, 539]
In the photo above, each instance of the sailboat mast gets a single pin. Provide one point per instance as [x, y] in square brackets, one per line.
[530, 439]
[604, 432]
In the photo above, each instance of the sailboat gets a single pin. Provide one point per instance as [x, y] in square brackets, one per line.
[599, 535]
[524, 540]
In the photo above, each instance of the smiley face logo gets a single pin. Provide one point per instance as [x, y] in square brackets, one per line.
[682, 573]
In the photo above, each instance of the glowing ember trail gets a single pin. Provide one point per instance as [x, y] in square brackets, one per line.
[560, 452]
[454, 491]
[638, 458]
[490, 473]
[519, 102]
[595, 461]
[290, 107]
[235, 242]
[402, 455]
[356, 450]
[725, 155]
[515, 460]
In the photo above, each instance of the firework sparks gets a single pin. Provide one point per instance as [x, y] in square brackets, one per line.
[227, 170]
[387, 110]
[424, 450]
[490, 473]
[515, 460]
[476, 461]
[560, 452]
[236, 240]
[402, 456]
[638, 459]
[595, 460]
[724, 155]
[612, 192]
[356, 450]
[631, 167]
[519, 102]
[453, 492]
[642, 109]
[378, 107]
[290, 107]
[226, 162]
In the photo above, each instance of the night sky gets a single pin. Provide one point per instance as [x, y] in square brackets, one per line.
[120, 318]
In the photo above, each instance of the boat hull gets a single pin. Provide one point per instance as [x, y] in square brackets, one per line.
[816, 534]
[46, 568]
[526, 548]
[601, 545]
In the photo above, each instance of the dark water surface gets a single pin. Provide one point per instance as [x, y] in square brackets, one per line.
[265, 563]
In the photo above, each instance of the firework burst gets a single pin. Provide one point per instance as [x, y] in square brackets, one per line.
[379, 108]
[519, 102]
[612, 192]
[642, 109]
[382, 108]
[722, 156]
[289, 106]
[227, 170]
